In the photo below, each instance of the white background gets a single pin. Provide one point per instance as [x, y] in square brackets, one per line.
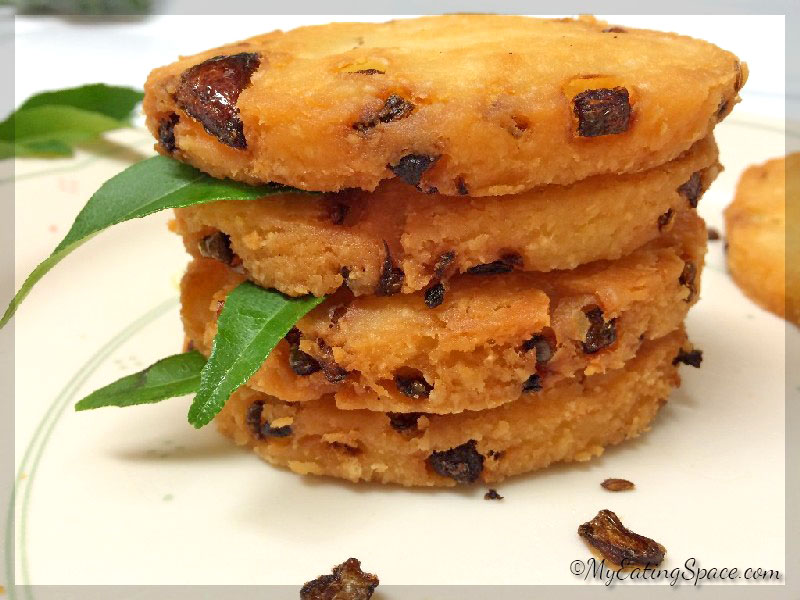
[99, 514]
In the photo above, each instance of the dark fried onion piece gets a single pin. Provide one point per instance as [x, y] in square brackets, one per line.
[217, 246]
[404, 421]
[391, 278]
[463, 463]
[434, 295]
[618, 544]
[693, 358]
[166, 132]
[301, 363]
[259, 431]
[606, 111]
[543, 347]
[443, 262]
[411, 167]
[687, 279]
[601, 334]
[332, 370]
[665, 219]
[208, 92]
[532, 384]
[393, 109]
[505, 264]
[346, 582]
[253, 417]
[692, 189]
[413, 387]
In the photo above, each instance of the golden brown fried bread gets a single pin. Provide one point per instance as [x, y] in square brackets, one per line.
[574, 420]
[758, 238]
[464, 104]
[302, 244]
[491, 338]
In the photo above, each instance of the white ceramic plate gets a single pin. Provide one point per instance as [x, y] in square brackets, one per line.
[138, 496]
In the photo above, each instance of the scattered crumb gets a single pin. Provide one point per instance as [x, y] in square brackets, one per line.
[693, 358]
[23, 476]
[2, 590]
[167, 497]
[346, 582]
[492, 495]
[713, 234]
[617, 485]
[53, 229]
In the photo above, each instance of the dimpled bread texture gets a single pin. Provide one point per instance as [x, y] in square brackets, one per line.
[574, 420]
[300, 244]
[478, 104]
[471, 349]
[758, 238]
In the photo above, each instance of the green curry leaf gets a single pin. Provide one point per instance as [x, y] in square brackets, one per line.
[176, 375]
[252, 322]
[144, 188]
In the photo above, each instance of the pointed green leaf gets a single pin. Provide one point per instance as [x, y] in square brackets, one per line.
[252, 322]
[170, 377]
[112, 101]
[148, 186]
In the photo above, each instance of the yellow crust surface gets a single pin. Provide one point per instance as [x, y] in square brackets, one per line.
[757, 235]
[573, 421]
[299, 244]
[494, 102]
[469, 349]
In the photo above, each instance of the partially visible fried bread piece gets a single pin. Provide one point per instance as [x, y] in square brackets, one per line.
[763, 245]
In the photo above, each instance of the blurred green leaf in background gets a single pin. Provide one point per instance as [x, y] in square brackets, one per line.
[50, 123]
[81, 7]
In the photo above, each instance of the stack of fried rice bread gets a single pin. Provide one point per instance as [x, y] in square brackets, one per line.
[503, 224]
